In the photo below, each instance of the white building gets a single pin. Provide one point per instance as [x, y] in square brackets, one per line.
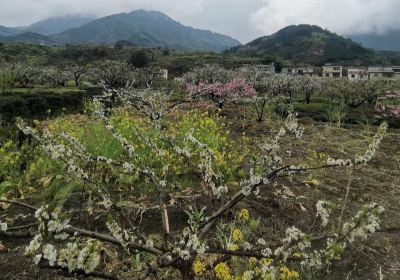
[332, 71]
[302, 71]
[161, 74]
[380, 72]
[396, 70]
[357, 74]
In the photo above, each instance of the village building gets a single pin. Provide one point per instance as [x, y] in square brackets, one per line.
[161, 74]
[332, 71]
[270, 67]
[396, 71]
[301, 71]
[380, 72]
[357, 73]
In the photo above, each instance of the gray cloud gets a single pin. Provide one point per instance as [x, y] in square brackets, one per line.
[344, 17]
[242, 19]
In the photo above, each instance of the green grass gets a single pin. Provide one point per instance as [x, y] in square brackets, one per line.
[40, 89]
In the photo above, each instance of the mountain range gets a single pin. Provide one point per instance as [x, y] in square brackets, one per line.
[155, 29]
[56, 25]
[140, 27]
[389, 41]
[14, 35]
[308, 44]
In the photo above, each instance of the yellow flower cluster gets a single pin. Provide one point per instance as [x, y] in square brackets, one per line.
[199, 268]
[252, 261]
[297, 255]
[247, 275]
[287, 274]
[266, 261]
[244, 215]
[222, 272]
[237, 235]
[233, 247]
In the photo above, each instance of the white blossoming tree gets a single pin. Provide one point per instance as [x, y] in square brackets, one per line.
[210, 233]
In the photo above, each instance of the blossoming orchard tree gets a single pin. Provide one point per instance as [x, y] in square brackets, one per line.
[78, 73]
[217, 84]
[57, 76]
[114, 74]
[273, 89]
[356, 93]
[220, 93]
[217, 240]
[307, 86]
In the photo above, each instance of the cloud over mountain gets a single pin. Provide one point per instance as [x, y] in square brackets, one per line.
[242, 19]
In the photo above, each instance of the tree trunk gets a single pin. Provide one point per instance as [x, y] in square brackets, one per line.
[187, 271]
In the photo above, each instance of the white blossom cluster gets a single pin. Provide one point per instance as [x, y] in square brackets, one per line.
[3, 226]
[247, 185]
[209, 176]
[77, 256]
[266, 252]
[152, 103]
[55, 150]
[78, 147]
[323, 211]
[271, 150]
[189, 244]
[76, 170]
[49, 222]
[123, 236]
[339, 162]
[294, 239]
[73, 257]
[364, 223]
[368, 155]
[292, 124]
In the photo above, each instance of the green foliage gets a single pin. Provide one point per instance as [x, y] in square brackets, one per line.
[10, 164]
[7, 80]
[25, 171]
[307, 44]
[208, 130]
[38, 105]
[139, 59]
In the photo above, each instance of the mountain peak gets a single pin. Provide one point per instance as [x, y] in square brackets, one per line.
[55, 25]
[308, 44]
[149, 29]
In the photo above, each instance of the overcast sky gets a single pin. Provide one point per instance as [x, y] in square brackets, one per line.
[242, 19]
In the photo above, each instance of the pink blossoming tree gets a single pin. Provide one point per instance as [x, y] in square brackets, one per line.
[220, 92]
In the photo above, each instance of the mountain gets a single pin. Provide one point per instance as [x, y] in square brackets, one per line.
[308, 44]
[12, 35]
[387, 41]
[147, 29]
[8, 31]
[56, 24]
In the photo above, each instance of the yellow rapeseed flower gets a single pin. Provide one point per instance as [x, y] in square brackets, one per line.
[287, 274]
[222, 272]
[244, 214]
[266, 261]
[233, 247]
[252, 261]
[247, 275]
[297, 255]
[199, 268]
[237, 235]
